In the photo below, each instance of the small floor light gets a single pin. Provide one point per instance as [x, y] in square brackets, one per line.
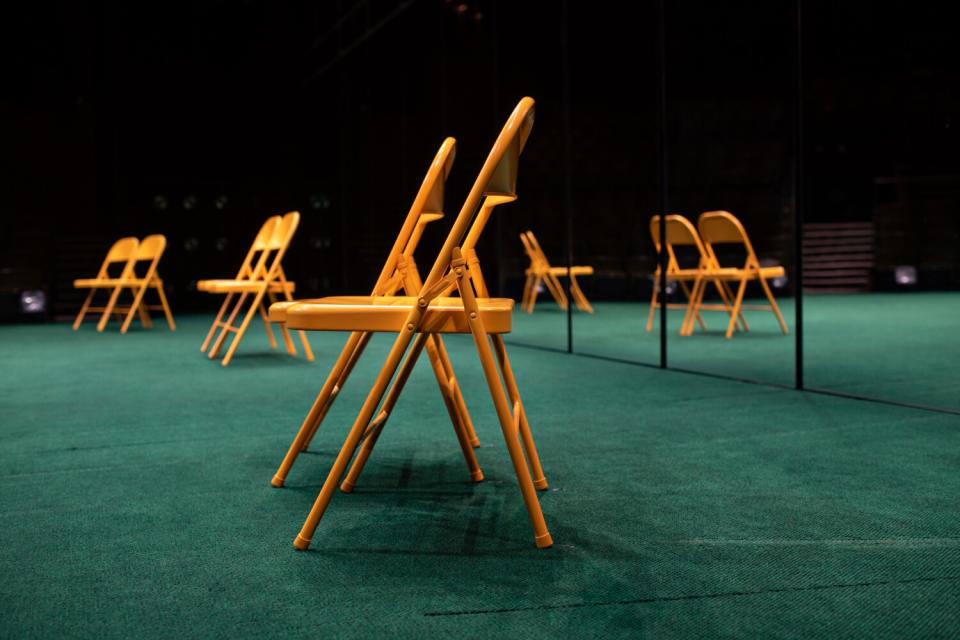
[776, 283]
[33, 301]
[905, 276]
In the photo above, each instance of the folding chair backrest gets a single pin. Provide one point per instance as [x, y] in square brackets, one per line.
[123, 250]
[151, 250]
[427, 206]
[680, 232]
[722, 227]
[497, 177]
[538, 253]
[260, 243]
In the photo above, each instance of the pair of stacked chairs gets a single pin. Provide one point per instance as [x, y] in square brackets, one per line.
[713, 228]
[258, 284]
[127, 255]
[540, 271]
[419, 311]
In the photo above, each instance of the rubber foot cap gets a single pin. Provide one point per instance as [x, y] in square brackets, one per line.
[346, 486]
[475, 443]
[541, 484]
[277, 482]
[477, 476]
[544, 541]
[301, 543]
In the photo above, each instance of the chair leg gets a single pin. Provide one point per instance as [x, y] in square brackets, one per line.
[553, 283]
[737, 303]
[166, 308]
[224, 329]
[321, 405]
[693, 307]
[510, 432]
[773, 304]
[535, 293]
[108, 310]
[83, 309]
[242, 329]
[457, 393]
[216, 322]
[525, 298]
[688, 294]
[144, 314]
[500, 348]
[582, 303]
[307, 351]
[137, 301]
[267, 327]
[302, 541]
[386, 410]
[727, 296]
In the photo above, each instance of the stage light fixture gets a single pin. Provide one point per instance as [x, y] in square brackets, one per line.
[221, 202]
[191, 244]
[905, 275]
[319, 201]
[189, 202]
[33, 301]
[160, 202]
[221, 243]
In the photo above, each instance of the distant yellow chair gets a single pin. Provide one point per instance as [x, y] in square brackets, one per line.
[260, 279]
[722, 227]
[399, 273]
[680, 232]
[541, 271]
[122, 253]
[130, 252]
[415, 319]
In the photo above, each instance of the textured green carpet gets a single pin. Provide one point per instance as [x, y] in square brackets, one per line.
[901, 347]
[135, 501]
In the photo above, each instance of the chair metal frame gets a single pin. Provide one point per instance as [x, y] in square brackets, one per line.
[260, 280]
[414, 319]
[130, 251]
[399, 273]
[540, 270]
[722, 227]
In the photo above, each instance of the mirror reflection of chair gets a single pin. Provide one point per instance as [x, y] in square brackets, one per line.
[260, 280]
[722, 227]
[399, 273]
[414, 319]
[680, 232]
[130, 252]
[540, 271]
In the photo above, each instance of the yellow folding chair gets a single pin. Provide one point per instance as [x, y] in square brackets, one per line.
[680, 232]
[721, 227]
[260, 279]
[123, 252]
[414, 319]
[541, 271]
[399, 273]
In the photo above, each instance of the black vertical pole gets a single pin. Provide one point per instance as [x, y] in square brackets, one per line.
[664, 187]
[798, 195]
[567, 159]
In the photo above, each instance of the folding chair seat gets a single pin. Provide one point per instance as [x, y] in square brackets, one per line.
[259, 281]
[722, 227]
[540, 270]
[399, 273]
[680, 232]
[454, 268]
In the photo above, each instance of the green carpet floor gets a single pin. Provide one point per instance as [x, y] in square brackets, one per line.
[900, 347]
[135, 502]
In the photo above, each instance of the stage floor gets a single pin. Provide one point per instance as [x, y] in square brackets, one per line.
[900, 347]
[135, 501]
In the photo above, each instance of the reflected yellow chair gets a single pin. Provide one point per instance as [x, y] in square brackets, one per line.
[123, 252]
[541, 271]
[399, 273]
[414, 319]
[260, 280]
[722, 227]
[680, 232]
[149, 250]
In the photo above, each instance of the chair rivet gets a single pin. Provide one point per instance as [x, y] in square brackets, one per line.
[459, 271]
[422, 302]
[473, 315]
[410, 326]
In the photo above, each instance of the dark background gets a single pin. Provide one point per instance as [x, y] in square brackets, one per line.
[200, 120]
